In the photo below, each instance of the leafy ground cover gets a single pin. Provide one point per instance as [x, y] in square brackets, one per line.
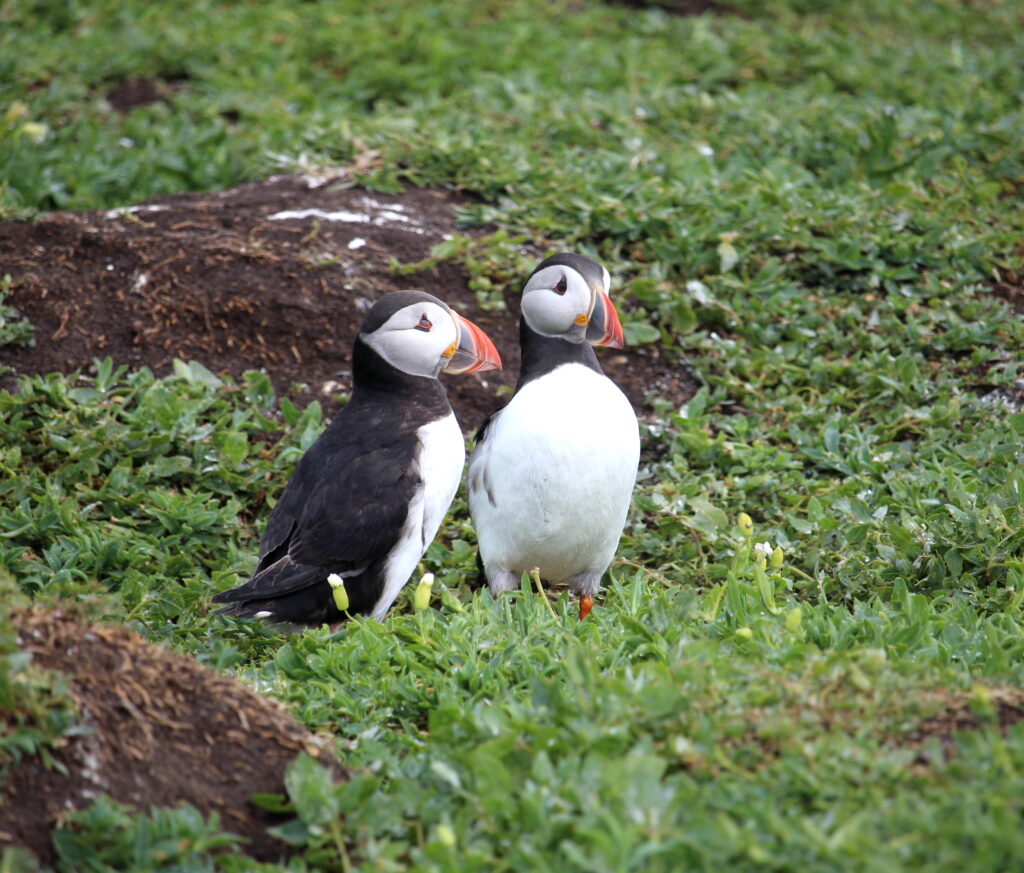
[815, 206]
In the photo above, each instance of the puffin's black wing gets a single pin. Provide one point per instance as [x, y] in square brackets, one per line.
[343, 509]
[356, 513]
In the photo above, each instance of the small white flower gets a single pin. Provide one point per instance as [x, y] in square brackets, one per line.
[763, 551]
[728, 256]
[705, 150]
[701, 293]
[34, 131]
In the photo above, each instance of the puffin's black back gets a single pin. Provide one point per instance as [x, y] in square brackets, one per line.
[345, 505]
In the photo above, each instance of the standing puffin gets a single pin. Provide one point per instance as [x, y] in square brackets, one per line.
[368, 496]
[552, 473]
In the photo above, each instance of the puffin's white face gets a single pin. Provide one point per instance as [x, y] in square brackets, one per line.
[558, 302]
[418, 339]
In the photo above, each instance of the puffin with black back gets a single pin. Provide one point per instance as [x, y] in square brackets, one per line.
[552, 474]
[368, 496]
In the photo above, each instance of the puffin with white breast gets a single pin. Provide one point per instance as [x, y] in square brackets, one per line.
[552, 474]
[368, 496]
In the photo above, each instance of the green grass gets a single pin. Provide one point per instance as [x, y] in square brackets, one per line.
[808, 205]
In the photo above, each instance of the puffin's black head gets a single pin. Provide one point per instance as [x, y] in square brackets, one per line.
[566, 296]
[418, 334]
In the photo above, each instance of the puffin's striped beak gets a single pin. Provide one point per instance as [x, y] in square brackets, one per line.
[475, 351]
[604, 329]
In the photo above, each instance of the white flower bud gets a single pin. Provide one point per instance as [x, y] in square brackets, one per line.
[338, 590]
[421, 599]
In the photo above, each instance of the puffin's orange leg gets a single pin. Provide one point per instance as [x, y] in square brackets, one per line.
[586, 604]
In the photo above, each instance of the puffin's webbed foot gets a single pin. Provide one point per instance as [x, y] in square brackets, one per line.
[586, 585]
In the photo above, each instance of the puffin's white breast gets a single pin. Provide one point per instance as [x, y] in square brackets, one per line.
[550, 484]
[441, 456]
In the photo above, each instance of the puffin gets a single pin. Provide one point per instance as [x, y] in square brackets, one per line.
[552, 473]
[367, 498]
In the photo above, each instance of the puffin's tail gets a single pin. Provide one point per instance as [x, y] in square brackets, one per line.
[311, 605]
[245, 609]
[286, 613]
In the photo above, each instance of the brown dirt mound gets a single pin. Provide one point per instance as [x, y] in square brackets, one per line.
[166, 731]
[275, 274]
[960, 711]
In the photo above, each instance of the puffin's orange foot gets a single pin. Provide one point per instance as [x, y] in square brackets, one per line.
[586, 604]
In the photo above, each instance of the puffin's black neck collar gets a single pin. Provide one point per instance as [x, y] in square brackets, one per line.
[373, 376]
[541, 354]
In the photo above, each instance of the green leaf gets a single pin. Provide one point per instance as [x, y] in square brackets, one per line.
[640, 332]
[310, 788]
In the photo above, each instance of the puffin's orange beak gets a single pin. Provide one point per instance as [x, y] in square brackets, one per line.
[604, 329]
[475, 351]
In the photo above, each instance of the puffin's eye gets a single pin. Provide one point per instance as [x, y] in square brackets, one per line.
[561, 287]
[425, 324]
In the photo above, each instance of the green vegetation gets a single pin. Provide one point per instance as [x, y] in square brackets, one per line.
[35, 709]
[14, 330]
[808, 204]
[108, 836]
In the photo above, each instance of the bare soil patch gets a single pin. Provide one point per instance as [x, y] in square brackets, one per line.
[957, 712]
[135, 91]
[276, 275]
[165, 731]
